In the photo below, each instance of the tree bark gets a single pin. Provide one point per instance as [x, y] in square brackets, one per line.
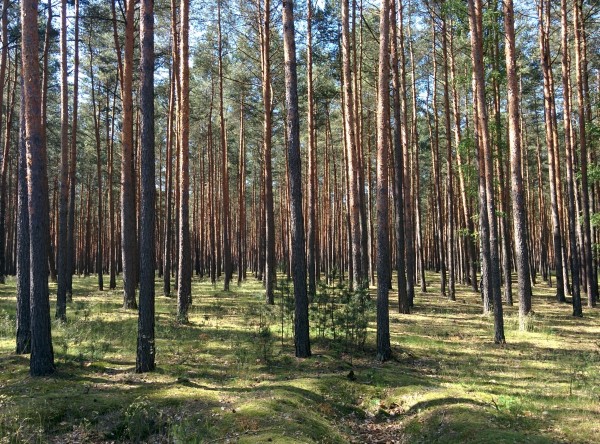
[23, 269]
[301, 328]
[63, 212]
[517, 192]
[128, 225]
[184, 275]
[42, 354]
[384, 350]
[145, 342]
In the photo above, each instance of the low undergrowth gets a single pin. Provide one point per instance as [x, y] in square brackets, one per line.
[230, 374]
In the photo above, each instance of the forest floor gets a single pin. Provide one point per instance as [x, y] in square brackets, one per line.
[231, 376]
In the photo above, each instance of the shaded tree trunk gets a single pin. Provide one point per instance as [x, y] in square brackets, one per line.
[384, 350]
[42, 355]
[146, 350]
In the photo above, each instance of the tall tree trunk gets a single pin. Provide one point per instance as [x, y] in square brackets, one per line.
[227, 268]
[184, 275]
[384, 350]
[403, 300]
[449, 173]
[3, 57]
[128, 225]
[581, 74]
[301, 328]
[241, 235]
[269, 215]
[42, 354]
[351, 150]
[146, 350]
[23, 269]
[63, 246]
[110, 137]
[517, 192]
[96, 118]
[73, 161]
[312, 163]
[544, 13]
[486, 164]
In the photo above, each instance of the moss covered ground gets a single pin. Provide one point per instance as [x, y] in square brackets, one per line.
[230, 375]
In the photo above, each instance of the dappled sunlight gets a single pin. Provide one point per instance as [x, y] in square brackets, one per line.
[219, 375]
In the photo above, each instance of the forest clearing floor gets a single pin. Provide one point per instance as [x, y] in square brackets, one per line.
[230, 375]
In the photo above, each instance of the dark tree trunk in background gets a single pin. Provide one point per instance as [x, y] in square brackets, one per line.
[225, 215]
[73, 162]
[403, 300]
[42, 354]
[312, 164]
[23, 270]
[3, 57]
[100, 222]
[145, 341]
[63, 212]
[384, 350]
[269, 215]
[128, 225]
[301, 330]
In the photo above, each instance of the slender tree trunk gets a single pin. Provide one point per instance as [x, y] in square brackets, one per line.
[312, 163]
[449, 173]
[227, 268]
[42, 355]
[581, 73]
[517, 192]
[301, 328]
[351, 149]
[486, 164]
[111, 202]
[242, 226]
[73, 161]
[544, 12]
[3, 57]
[128, 225]
[23, 269]
[184, 284]
[384, 350]
[96, 117]
[269, 215]
[399, 221]
[63, 246]
[146, 350]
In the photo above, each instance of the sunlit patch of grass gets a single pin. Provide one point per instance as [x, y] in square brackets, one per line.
[230, 374]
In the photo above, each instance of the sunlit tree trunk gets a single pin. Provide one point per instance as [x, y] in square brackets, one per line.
[184, 275]
[301, 328]
[486, 164]
[517, 192]
[128, 225]
[581, 75]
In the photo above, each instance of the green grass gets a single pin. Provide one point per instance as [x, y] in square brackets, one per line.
[224, 377]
